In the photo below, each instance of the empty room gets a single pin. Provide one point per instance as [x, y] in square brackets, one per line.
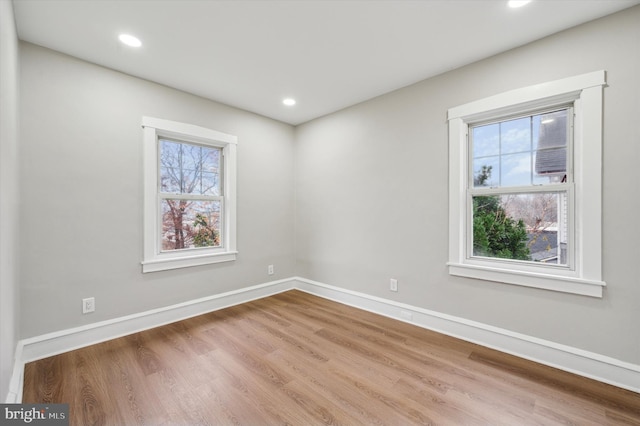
[319, 212]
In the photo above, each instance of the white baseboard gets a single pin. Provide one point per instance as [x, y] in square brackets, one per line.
[584, 363]
[15, 384]
[50, 344]
[599, 367]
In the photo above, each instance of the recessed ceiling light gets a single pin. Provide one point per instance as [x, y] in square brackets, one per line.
[289, 101]
[130, 40]
[518, 3]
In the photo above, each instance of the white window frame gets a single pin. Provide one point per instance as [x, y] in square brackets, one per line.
[584, 274]
[154, 259]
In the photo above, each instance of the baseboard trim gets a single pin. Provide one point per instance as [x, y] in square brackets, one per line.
[584, 363]
[67, 340]
[50, 344]
[15, 384]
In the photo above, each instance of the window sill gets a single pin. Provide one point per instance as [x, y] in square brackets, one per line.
[168, 263]
[558, 283]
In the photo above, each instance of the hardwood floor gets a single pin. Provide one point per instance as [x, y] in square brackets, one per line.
[298, 359]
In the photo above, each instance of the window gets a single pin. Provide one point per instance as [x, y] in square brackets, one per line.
[520, 185]
[189, 204]
[525, 186]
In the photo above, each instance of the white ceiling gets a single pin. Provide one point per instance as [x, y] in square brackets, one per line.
[326, 54]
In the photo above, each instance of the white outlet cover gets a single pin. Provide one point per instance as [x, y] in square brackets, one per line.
[88, 305]
[393, 284]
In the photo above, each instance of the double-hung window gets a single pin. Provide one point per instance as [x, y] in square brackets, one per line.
[525, 186]
[520, 188]
[189, 183]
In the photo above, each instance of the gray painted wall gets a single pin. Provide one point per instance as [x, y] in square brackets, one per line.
[9, 309]
[372, 195]
[81, 181]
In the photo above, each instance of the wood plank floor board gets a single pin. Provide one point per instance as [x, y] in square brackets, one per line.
[407, 411]
[248, 358]
[620, 418]
[399, 331]
[321, 383]
[242, 329]
[321, 409]
[548, 379]
[297, 359]
[380, 361]
[436, 403]
[550, 399]
[567, 410]
[260, 392]
[220, 402]
[286, 339]
[288, 312]
[491, 410]
[138, 398]
[184, 337]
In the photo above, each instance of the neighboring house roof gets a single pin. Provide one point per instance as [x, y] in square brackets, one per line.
[543, 245]
[551, 156]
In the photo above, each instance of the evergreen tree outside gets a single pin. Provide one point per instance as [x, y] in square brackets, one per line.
[495, 234]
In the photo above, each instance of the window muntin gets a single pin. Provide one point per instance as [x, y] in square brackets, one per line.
[526, 153]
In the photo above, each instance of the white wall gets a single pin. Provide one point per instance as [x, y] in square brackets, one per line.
[372, 195]
[9, 310]
[81, 180]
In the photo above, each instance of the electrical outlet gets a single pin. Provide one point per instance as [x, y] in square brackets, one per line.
[270, 270]
[393, 284]
[88, 305]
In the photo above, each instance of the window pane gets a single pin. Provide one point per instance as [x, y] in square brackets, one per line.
[515, 135]
[553, 130]
[486, 171]
[190, 224]
[551, 154]
[551, 166]
[210, 184]
[521, 152]
[189, 169]
[170, 179]
[515, 169]
[486, 140]
[191, 158]
[530, 227]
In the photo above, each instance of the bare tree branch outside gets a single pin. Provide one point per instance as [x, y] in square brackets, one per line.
[191, 188]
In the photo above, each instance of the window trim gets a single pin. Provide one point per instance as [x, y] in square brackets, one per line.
[154, 259]
[585, 92]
